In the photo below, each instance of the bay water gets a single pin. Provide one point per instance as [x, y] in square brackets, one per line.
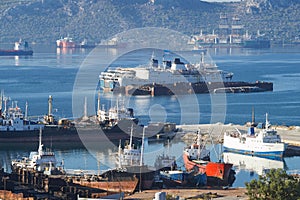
[52, 71]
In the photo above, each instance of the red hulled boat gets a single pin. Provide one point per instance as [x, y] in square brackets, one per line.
[197, 158]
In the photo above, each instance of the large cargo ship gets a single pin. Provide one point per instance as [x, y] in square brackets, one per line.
[114, 124]
[258, 43]
[265, 143]
[68, 42]
[175, 78]
[19, 50]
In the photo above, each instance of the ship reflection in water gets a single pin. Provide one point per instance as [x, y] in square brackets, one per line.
[253, 164]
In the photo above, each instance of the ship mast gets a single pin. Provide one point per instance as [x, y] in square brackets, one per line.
[267, 122]
[40, 150]
[85, 117]
[98, 105]
[142, 148]
[131, 135]
[119, 154]
[198, 143]
[26, 110]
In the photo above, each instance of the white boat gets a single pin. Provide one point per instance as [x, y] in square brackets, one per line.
[129, 155]
[252, 163]
[265, 143]
[41, 161]
[166, 73]
[198, 150]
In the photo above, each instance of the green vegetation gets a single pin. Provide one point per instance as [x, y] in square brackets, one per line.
[275, 185]
[44, 21]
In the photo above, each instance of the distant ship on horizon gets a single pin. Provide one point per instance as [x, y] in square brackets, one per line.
[20, 49]
[68, 42]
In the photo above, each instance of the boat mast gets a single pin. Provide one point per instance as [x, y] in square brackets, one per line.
[142, 148]
[98, 106]
[131, 135]
[85, 117]
[253, 116]
[26, 110]
[198, 143]
[267, 122]
[119, 154]
[40, 150]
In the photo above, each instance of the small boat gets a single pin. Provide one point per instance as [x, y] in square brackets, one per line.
[19, 50]
[156, 131]
[165, 161]
[197, 158]
[265, 143]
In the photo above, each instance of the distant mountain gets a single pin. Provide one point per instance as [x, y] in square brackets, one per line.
[44, 21]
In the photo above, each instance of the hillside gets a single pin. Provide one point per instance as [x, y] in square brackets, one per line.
[44, 21]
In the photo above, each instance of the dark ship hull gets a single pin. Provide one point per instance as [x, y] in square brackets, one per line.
[200, 87]
[58, 134]
[257, 43]
[16, 52]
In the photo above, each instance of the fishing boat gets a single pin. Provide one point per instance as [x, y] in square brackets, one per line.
[197, 158]
[265, 143]
[20, 49]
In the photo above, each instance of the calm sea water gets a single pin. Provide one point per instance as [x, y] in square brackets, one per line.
[52, 71]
